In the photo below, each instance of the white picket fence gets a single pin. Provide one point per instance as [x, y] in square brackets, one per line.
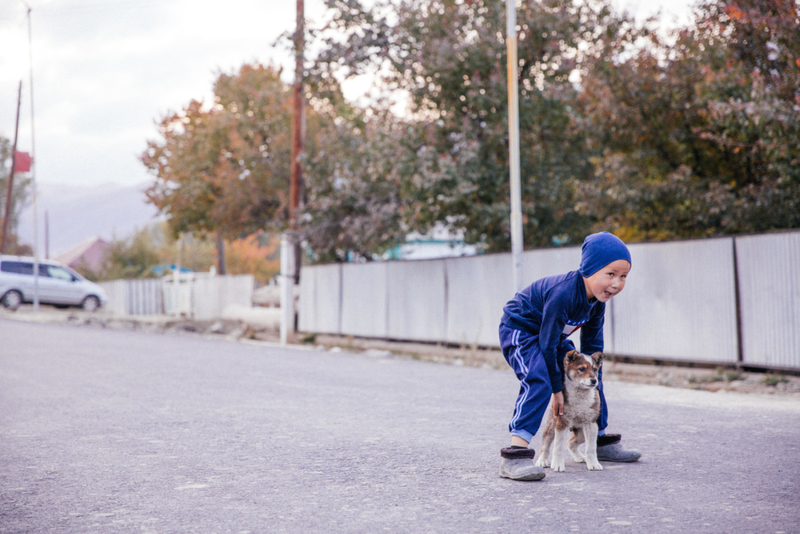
[195, 295]
[722, 300]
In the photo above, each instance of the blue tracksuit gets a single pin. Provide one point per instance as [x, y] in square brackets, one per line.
[533, 336]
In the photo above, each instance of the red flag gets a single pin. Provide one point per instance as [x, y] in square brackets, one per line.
[22, 161]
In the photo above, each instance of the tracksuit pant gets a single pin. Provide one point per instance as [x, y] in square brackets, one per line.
[522, 352]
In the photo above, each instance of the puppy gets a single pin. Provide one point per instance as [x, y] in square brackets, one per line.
[581, 409]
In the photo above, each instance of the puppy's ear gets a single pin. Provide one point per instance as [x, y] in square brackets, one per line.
[571, 356]
[598, 357]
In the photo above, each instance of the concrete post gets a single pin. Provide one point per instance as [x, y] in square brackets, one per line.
[287, 287]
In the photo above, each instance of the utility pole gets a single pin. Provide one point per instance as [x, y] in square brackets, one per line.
[46, 235]
[298, 132]
[513, 144]
[298, 116]
[290, 248]
[33, 174]
[10, 185]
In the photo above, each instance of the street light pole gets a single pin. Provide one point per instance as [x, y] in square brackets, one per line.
[33, 175]
[290, 250]
[513, 144]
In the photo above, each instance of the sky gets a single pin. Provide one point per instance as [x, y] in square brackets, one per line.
[104, 71]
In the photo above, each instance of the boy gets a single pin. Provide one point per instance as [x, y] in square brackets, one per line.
[533, 336]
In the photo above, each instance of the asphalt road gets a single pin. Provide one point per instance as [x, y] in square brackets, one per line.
[109, 431]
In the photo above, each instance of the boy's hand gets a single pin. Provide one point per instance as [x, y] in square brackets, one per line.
[558, 403]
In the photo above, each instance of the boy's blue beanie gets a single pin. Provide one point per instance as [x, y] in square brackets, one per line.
[599, 250]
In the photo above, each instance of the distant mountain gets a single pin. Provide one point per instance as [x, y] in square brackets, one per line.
[77, 213]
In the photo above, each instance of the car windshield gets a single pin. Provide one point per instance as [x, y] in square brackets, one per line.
[54, 271]
[74, 274]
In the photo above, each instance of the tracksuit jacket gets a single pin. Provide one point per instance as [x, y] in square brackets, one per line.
[533, 336]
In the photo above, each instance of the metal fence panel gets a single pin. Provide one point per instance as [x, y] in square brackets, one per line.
[145, 297]
[416, 293]
[116, 291]
[364, 299]
[477, 289]
[769, 296]
[134, 297]
[679, 303]
[212, 294]
[320, 299]
[547, 262]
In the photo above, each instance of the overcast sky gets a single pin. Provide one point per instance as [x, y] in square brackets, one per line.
[105, 70]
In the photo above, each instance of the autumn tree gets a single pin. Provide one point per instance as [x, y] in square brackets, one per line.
[257, 254]
[697, 135]
[224, 168]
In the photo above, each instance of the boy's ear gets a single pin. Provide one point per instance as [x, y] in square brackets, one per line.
[571, 356]
[598, 357]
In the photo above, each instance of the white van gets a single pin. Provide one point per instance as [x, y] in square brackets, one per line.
[58, 284]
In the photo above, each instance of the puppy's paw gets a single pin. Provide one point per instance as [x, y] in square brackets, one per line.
[542, 461]
[558, 467]
[578, 457]
[593, 465]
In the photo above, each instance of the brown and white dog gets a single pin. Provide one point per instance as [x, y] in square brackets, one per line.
[581, 409]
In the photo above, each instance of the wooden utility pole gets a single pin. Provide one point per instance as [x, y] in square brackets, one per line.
[298, 130]
[10, 187]
[222, 267]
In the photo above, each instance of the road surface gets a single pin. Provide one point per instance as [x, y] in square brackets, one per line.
[111, 431]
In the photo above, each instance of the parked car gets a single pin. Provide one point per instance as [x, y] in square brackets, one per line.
[58, 284]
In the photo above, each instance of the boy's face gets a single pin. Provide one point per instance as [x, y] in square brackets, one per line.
[608, 281]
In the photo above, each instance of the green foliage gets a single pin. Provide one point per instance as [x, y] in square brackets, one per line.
[721, 374]
[449, 57]
[354, 182]
[19, 197]
[622, 129]
[156, 245]
[135, 256]
[698, 137]
[774, 380]
[131, 258]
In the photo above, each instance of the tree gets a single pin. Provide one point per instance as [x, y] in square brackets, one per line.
[698, 136]
[355, 178]
[129, 258]
[257, 254]
[448, 56]
[156, 245]
[224, 168]
[19, 197]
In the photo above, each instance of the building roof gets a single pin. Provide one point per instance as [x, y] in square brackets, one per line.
[89, 252]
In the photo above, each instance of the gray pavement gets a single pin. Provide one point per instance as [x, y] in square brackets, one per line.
[113, 431]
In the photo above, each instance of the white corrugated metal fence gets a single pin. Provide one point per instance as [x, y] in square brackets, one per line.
[195, 295]
[694, 301]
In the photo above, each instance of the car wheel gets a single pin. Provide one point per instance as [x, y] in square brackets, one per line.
[90, 303]
[12, 299]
